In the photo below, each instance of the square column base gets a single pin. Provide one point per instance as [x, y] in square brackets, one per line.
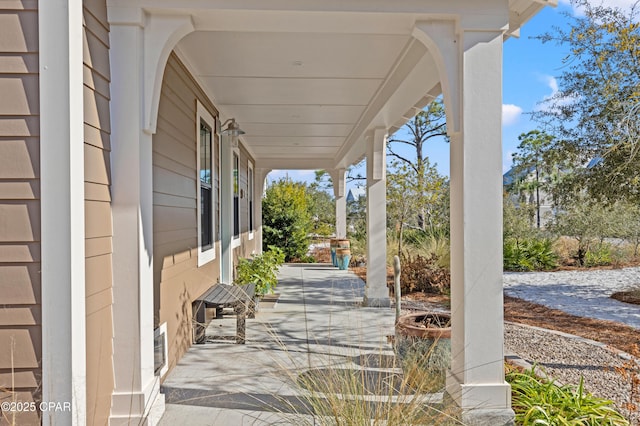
[481, 404]
[482, 416]
[140, 408]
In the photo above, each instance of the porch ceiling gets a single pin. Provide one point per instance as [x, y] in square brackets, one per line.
[300, 97]
[307, 85]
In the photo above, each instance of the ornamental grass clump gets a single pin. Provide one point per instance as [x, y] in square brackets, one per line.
[375, 393]
[424, 362]
[539, 401]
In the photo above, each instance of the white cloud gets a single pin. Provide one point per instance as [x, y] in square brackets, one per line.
[510, 114]
[552, 83]
[551, 102]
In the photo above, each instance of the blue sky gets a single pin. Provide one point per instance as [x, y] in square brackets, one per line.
[529, 76]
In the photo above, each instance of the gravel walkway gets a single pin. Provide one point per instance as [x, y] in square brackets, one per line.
[582, 293]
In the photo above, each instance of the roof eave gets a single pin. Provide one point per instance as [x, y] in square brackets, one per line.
[521, 11]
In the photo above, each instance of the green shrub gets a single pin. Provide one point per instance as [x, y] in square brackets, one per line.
[261, 270]
[285, 217]
[600, 256]
[542, 402]
[529, 255]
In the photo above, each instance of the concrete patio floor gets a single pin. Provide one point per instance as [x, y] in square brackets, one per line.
[317, 323]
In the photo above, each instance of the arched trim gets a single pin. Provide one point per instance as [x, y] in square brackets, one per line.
[161, 34]
[443, 42]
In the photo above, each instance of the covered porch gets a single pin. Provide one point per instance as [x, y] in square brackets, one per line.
[317, 324]
[315, 85]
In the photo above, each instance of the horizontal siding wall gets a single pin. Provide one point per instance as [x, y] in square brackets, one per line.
[20, 311]
[178, 280]
[98, 224]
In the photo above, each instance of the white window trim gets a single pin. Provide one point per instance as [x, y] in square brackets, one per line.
[202, 114]
[235, 241]
[251, 193]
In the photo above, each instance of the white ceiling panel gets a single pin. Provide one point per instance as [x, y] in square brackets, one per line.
[256, 130]
[323, 114]
[322, 142]
[310, 152]
[291, 91]
[310, 55]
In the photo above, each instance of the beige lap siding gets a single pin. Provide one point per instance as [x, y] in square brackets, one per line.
[98, 225]
[178, 279]
[20, 313]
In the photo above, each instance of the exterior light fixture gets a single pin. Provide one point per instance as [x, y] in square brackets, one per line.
[233, 130]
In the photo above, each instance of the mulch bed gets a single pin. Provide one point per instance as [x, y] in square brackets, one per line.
[627, 297]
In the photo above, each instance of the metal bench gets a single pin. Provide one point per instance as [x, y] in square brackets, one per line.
[220, 296]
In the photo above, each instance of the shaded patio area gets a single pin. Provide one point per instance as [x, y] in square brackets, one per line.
[317, 323]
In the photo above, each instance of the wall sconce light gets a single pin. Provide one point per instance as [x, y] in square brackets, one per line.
[233, 130]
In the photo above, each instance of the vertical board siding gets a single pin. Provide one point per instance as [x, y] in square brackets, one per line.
[98, 225]
[20, 312]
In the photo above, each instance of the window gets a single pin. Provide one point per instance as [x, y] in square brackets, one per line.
[236, 195]
[206, 187]
[206, 194]
[160, 350]
[250, 190]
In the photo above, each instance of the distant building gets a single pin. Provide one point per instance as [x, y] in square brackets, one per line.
[527, 196]
[354, 194]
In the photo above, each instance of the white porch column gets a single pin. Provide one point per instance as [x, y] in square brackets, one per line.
[338, 177]
[62, 206]
[376, 293]
[226, 210]
[136, 387]
[260, 179]
[476, 380]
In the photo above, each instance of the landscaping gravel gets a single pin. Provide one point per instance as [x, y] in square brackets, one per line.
[582, 293]
[567, 358]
